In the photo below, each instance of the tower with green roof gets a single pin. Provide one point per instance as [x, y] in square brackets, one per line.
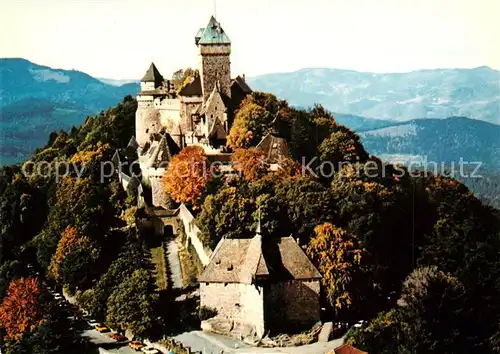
[215, 65]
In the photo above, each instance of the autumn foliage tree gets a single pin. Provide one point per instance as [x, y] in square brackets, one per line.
[182, 77]
[248, 126]
[338, 257]
[187, 176]
[251, 163]
[64, 265]
[20, 311]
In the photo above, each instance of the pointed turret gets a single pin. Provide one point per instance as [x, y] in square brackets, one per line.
[152, 79]
[212, 34]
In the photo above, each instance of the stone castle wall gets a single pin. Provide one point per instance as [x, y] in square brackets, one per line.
[147, 121]
[187, 109]
[158, 192]
[298, 301]
[192, 232]
[215, 67]
[241, 303]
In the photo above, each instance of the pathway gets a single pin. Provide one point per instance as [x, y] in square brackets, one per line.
[209, 343]
[174, 264]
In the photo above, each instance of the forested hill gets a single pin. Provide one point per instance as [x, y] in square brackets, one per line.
[439, 140]
[36, 100]
[425, 143]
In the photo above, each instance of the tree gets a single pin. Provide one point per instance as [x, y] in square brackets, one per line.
[250, 163]
[54, 335]
[131, 306]
[249, 124]
[337, 256]
[370, 203]
[227, 213]
[21, 310]
[131, 258]
[308, 204]
[343, 145]
[9, 270]
[73, 260]
[433, 311]
[381, 335]
[187, 176]
[182, 77]
[431, 318]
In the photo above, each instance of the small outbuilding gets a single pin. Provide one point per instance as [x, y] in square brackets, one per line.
[256, 284]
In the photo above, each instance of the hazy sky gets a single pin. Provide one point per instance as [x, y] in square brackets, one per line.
[119, 38]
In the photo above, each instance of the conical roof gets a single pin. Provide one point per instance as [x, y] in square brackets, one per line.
[153, 75]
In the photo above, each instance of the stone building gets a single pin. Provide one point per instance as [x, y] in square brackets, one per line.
[202, 111]
[248, 280]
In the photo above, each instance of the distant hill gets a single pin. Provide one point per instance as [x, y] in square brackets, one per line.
[116, 82]
[439, 93]
[36, 99]
[439, 140]
[360, 124]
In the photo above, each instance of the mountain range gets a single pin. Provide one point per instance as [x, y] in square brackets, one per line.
[439, 93]
[36, 100]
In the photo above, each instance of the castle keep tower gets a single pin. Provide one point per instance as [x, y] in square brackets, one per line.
[215, 65]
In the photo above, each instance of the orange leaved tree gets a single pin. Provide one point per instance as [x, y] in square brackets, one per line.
[71, 241]
[20, 311]
[337, 256]
[251, 163]
[187, 176]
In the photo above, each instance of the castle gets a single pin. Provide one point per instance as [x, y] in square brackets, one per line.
[244, 280]
[202, 111]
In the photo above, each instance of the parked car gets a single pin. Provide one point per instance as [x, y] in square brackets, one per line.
[118, 337]
[101, 328]
[150, 350]
[136, 345]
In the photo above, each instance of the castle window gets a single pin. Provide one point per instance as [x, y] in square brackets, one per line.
[147, 131]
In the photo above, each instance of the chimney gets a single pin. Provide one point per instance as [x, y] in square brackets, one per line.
[243, 76]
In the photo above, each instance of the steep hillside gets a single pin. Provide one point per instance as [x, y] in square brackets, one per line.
[439, 140]
[400, 96]
[36, 100]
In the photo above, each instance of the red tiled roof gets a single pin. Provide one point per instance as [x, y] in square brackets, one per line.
[348, 349]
